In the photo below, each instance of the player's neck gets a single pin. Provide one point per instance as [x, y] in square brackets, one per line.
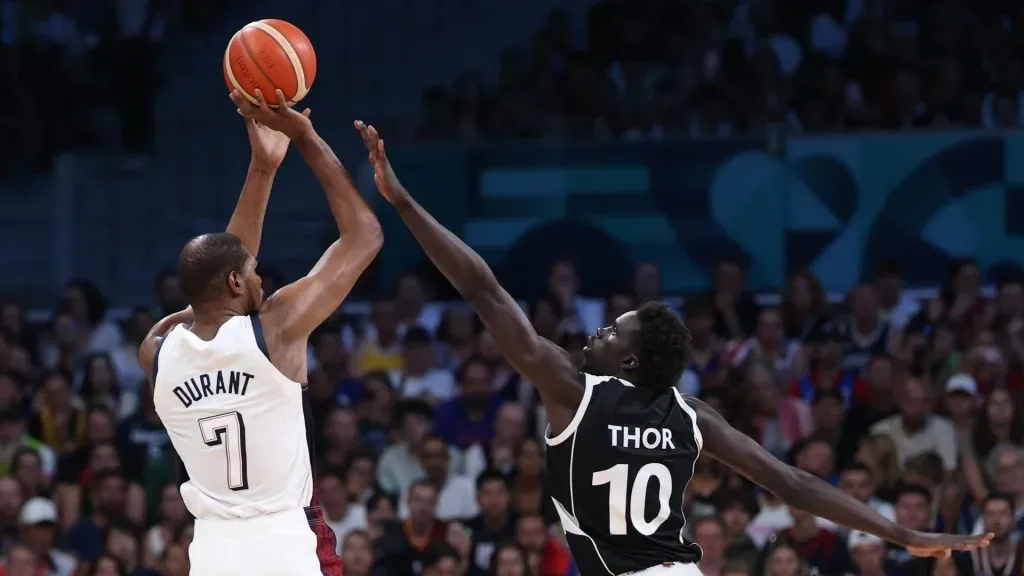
[208, 319]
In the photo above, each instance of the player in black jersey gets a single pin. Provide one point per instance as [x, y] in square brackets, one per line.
[622, 440]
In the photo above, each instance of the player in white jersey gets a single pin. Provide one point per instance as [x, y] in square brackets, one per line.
[229, 372]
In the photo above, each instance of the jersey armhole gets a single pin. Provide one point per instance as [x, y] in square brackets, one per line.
[693, 417]
[257, 331]
[156, 357]
[589, 382]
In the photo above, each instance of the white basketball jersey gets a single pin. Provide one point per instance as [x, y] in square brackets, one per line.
[236, 422]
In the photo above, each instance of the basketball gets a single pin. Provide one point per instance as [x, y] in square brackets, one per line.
[270, 55]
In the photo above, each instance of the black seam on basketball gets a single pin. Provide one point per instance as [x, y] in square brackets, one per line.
[256, 63]
[245, 46]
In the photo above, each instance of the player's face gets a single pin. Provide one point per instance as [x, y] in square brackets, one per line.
[612, 349]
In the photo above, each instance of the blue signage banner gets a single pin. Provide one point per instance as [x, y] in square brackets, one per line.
[834, 204]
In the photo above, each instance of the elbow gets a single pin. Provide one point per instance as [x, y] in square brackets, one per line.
[373, 236]
[369, 233]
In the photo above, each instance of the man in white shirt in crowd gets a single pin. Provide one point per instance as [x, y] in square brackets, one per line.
[916, 429]
[340, 514]
[456, 494]
[400, 465]
[421, 378]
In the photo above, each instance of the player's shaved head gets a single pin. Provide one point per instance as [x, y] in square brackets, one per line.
[206, 261]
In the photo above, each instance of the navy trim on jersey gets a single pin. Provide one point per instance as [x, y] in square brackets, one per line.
[257, 329]
[180, 472]
[156, 358]
[307, 414]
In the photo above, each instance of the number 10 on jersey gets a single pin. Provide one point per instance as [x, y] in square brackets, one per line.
[228, 430]
[617, 478]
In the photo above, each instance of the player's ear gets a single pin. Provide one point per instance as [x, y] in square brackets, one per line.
[235, 284]
[630, 362]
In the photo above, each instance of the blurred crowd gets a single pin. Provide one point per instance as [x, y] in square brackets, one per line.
[430, 447]
[676, 69]
[64, 62]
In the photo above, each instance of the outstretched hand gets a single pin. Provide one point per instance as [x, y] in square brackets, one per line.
[283, 119]
[943, 545]
[383, 175]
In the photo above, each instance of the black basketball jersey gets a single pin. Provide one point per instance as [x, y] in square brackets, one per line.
[617, 475]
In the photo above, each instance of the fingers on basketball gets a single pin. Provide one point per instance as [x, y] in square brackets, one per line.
[285, 104]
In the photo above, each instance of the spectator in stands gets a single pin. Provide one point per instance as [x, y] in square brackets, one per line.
[896, 307]
[803, 305]
[867, 554]
[782, 558]
[399, 465]
[88, 309]
[468, 418]
[14, 436]
[735, 310]
[420, 379]
[357, 554]
[916, 429]
[455, 493]
[509, 559]
[402, 545]
[780, 422]
[495, 522]
[546, 556]
[342, 515]
[709, 533]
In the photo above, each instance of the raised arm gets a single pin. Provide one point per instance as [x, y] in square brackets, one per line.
[298, 308]
[269, 148]
[545, 365]
[807, 492]
[268, 151]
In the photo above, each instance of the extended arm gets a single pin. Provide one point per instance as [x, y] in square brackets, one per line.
[541, 362]
[247, 219]
[809, 493]
[269, 148]
[303, 305]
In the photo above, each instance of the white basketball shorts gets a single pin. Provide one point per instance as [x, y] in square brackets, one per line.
[677, 569]
[272, 545]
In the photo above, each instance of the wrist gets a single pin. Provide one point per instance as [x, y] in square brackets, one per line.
[902, 536]
[261, 167]
[304, 136]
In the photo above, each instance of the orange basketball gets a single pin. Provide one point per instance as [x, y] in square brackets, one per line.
[270, 55]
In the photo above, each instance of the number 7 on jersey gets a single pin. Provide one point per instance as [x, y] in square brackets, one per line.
[228, 430]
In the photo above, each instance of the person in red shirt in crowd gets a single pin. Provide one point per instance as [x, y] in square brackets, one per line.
[822, 548]
[546, 556]
[825, 371]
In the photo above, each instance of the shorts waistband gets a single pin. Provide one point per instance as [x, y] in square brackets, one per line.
[307, 515]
